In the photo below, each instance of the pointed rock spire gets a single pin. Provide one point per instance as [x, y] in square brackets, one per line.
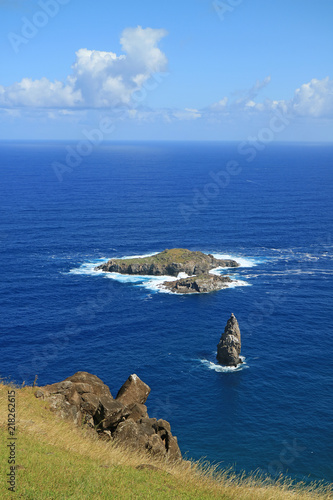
[229, 347]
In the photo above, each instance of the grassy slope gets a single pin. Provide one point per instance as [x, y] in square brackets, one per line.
[58, 460]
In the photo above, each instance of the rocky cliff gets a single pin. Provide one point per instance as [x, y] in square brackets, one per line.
[229, 347]
[169, 262]
[86, 400]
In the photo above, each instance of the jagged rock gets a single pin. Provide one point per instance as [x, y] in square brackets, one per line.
[77, 397]
[73, 397]
[163, 424]
[137, 411]
[198, 284]
[110, 413]
[173, 448]
[148, 425]
[133, 391]
[156, 446]
[131, 434]
[86, 382]
[62, 407]
[229, 347]
[85, 399]
[90, 403]
[58, 388]
[163, 429]
[169, 262]
[149, 434]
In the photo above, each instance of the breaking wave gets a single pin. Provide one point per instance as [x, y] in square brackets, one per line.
[155, 283]
[243, 261]
[224, 369]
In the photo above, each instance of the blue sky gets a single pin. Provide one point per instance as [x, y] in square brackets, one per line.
[195, 69]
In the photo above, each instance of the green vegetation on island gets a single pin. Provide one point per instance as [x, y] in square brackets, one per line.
[169, 262]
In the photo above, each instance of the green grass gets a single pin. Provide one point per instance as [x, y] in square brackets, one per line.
[53, 473]
[58, 460]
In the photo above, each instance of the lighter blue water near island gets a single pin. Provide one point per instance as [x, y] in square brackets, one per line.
[275, 215]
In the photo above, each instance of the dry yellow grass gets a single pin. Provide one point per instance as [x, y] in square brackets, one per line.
[59, 460]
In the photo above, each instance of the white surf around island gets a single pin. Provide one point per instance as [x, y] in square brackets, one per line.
[224, 369]
[156, 283]
[242, 261]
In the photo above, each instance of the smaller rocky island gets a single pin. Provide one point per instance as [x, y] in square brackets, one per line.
[172, 262]
[204, 283]
[229, 347]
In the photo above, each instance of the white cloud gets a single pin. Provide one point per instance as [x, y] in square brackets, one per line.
[105, 80]
[39, 93]
[187, 114]
[314, 99]
[141, 47]
[250, 94]
[220, 105]
[98, 79]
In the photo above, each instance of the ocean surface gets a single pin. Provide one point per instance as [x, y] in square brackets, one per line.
[272, 211]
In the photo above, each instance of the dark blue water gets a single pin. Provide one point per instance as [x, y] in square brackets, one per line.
[275, 213]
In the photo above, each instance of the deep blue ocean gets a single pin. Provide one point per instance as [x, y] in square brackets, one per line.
[272, 212]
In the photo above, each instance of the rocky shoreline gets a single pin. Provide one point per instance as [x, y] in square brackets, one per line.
[196, 265]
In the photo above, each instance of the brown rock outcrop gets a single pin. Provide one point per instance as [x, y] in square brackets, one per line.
[85, 399]
[133, 391]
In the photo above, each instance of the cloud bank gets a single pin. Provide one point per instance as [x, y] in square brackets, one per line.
[102, 80]
[98, 79]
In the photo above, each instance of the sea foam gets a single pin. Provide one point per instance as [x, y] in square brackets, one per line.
[242, 261]
[224, 369]
[155, 283]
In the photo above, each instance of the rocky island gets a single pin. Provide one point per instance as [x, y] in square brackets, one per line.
[172, 262]
[229, 347]
[203, 283]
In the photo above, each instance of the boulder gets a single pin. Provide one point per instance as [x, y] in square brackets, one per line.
[110, 413]
[151, 435]
[86, 382]
[58, 388]
[170, 442]
[90, 403]
[133, 391]
[64, 409]
[229, 347]
[131, 434]
[73, 397]
[155, 446]
[137, 411]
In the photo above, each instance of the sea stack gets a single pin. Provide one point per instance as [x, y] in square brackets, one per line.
[229, 347]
